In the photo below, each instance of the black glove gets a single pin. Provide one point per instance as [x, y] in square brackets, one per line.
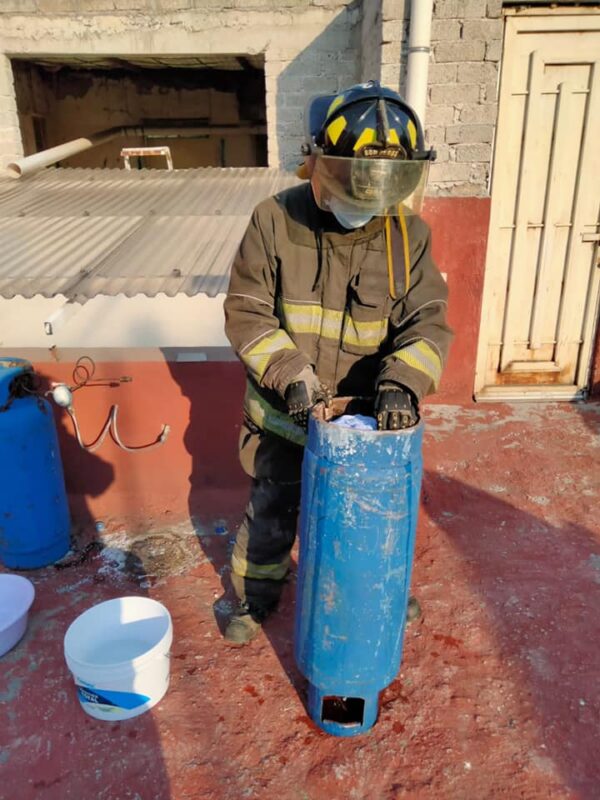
[303, 394]
[395, 408]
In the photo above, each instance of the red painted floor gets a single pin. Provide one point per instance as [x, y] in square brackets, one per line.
[499, 690]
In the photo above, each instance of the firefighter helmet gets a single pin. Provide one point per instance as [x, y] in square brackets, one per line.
[364, 151]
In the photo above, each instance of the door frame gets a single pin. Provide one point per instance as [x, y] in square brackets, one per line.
[535, 20]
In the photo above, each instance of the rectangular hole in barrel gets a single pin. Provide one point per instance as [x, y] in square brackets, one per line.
[343, 710]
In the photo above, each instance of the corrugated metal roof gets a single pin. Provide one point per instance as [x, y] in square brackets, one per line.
[85, 232]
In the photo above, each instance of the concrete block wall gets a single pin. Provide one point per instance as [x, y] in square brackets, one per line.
[11, 145]
[310, 46]
[466, 40]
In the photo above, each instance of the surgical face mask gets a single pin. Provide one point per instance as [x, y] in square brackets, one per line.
[349, 219]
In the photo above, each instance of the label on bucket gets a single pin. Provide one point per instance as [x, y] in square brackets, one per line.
[111, 701]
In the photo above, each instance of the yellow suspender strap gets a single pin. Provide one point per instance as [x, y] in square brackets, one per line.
[402, 223]
[390, 257]
[389, 251]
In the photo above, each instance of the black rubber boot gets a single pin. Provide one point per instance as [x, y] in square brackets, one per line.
[244, 624]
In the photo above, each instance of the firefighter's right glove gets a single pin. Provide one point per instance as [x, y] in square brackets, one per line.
[395, 408]
[303, 394]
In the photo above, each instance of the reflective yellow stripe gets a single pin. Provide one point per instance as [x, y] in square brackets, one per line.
[311, 318]
[412, 132]
[364, 334]
[421, 356]
[393, 136]
[335, 128]
[269, 419]
[368, 136]
[334, 104]
[258, 357]
[247, 569]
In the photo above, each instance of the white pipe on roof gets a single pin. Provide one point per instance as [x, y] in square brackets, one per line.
[45, 158]
[419, 41]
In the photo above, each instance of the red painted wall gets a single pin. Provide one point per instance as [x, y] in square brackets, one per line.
[196, 470]
[459, 229]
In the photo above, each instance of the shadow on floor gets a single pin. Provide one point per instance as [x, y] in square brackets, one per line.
[540, 586]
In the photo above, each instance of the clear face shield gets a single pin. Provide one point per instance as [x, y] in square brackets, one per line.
[373, 186]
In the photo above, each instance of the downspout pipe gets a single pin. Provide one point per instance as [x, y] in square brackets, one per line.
[419, 46]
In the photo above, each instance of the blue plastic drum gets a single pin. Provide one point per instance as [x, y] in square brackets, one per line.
[34, 515]
[360, 499]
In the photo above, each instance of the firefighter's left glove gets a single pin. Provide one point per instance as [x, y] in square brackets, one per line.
[303, 394]
[395, 408]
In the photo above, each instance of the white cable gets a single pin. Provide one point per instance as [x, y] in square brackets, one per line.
[111, 425]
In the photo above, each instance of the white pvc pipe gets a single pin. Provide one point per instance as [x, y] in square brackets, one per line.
[419, 46]
[45, 158]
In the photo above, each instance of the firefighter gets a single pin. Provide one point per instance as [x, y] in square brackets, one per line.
[333, 292]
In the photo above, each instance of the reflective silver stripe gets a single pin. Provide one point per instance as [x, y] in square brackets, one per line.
[420, 355]
[365, 334]
[248, 569]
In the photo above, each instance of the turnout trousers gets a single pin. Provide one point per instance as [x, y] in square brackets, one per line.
[261, 554]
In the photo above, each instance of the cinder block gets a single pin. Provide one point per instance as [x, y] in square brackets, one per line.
[449, 171]
[60, 6]
[435, 135]
[390, 75]
[17, 6]
[392, 52]
[392, 31]
[393, 9]
[469, 134]
[470, 188]
[482, 29]
[474, 8]
[448, 93]
[494, 8]
[442, 73]
[442, 152]
[445, 9]
[489, 93]
[445, 29]
[473, 152]
[478, 72]
[440, 115]
[120, 5]
[493, 50]
[480, 113]
[459, 51]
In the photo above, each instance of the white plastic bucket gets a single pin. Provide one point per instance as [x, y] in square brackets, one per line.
[118, 652]
[16, 596]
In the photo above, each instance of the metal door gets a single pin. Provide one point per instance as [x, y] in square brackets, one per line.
[540, 299]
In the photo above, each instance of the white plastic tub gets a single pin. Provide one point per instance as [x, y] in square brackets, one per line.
[118, 652]
[16, 597]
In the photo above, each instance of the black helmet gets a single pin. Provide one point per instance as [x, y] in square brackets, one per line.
[366, 120]
[365, 151]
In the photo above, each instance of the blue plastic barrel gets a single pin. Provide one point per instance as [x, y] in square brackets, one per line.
[360, 498]
[34, 515]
